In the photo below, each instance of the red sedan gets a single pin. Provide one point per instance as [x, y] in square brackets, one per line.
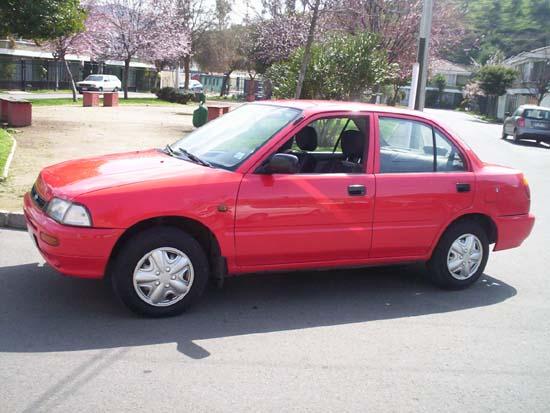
[278, 186]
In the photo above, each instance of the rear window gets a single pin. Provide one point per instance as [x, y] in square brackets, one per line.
[536, 114]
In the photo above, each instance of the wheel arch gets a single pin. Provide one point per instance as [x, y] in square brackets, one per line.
[200, 232]
[487, 223]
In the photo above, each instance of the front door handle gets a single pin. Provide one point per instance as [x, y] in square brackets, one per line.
[461, 187]
[357, 190]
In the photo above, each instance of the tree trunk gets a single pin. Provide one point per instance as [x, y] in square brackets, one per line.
[187, 69]
[125, 77]
[56, 86]
[73, 86]
[307, 50]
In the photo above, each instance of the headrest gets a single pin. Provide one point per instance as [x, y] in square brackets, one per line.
[353, 143]
[306, 139]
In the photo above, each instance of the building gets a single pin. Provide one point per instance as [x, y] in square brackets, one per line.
[532, 67]
[25, 66]
[456, 76]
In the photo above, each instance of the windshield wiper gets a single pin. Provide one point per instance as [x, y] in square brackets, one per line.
[168, 149]
[192, 157]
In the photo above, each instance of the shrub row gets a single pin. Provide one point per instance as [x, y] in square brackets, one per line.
[170, 94]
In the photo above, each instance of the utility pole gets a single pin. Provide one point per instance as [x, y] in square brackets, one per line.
[423, 48]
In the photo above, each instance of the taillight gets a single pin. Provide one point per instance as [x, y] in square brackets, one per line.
[521, 122]
[525, 184]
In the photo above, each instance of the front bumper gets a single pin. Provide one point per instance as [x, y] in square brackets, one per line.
[513, 230]
[82, 252]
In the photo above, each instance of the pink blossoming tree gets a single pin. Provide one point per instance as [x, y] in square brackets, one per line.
[130, 29]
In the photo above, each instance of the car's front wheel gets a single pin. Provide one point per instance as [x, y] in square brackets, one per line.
[460, 256]
[517, 137]
[160, 272]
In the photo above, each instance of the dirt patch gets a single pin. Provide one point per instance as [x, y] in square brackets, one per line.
[60, 133]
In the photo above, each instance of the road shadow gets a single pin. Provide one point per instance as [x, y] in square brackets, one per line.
[41, 311]
[529, 143]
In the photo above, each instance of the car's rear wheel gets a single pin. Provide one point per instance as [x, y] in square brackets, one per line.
[460, 256]
[100, 89]
[115, 89]
[160, 272]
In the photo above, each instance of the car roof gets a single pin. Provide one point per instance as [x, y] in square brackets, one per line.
[533, 107]
[312, 106]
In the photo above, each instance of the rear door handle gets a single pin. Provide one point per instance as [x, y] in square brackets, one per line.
[460, 187]
[357, 190]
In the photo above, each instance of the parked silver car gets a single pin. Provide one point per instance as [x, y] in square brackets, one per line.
[528, 122]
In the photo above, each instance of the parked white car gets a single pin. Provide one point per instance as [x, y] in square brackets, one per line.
[194, 86]
[99, 83]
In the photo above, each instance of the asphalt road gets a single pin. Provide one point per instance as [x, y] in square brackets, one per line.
[361, 340]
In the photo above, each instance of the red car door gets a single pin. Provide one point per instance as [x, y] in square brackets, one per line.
[314, 217]
[416, 192]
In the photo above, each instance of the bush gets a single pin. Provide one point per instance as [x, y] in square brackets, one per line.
[341, 67]
[170, 94]
[495, 79]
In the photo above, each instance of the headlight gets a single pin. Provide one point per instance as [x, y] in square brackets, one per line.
[69, 213]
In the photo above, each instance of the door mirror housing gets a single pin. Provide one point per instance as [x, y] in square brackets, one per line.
[281, 163]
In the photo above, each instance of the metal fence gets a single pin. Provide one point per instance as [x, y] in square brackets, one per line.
[32, 74]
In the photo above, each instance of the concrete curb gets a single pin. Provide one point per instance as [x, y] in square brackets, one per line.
[4, 174]
[15, 220]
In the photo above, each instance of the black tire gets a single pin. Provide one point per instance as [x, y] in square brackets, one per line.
[504, 134]
[437, 265]
[517, 137]
[100, 89]
[115, 89]
[136, 248]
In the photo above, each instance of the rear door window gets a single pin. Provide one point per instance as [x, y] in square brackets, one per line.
[412, 146]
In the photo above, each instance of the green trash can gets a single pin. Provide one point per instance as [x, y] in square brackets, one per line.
[200, 116]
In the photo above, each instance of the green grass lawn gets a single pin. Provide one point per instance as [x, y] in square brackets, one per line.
[129, 101]
[6, 143]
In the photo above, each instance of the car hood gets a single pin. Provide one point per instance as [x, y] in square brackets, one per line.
[72, 178]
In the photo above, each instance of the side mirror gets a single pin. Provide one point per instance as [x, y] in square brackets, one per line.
[507, 114]
[282, 163]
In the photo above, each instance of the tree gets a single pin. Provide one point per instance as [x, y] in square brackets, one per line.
[222, 10]
[359, 57]
[222, 53]
[171, 41]
[63, 45]
[273, 40]
[196, 18]
[307, 48]
[495, 79]
[511, 26]
[41, 19]
[126, 29]
[397, 24]
[440, 83]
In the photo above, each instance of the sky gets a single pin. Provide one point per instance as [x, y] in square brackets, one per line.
[239, 9]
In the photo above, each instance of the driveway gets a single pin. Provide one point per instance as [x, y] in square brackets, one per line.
[60, 133]
[379, 339]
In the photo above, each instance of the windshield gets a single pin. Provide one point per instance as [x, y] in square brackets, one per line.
[95, 78]
[230, 139]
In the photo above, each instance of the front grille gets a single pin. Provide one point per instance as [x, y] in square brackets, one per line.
[38, 200]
